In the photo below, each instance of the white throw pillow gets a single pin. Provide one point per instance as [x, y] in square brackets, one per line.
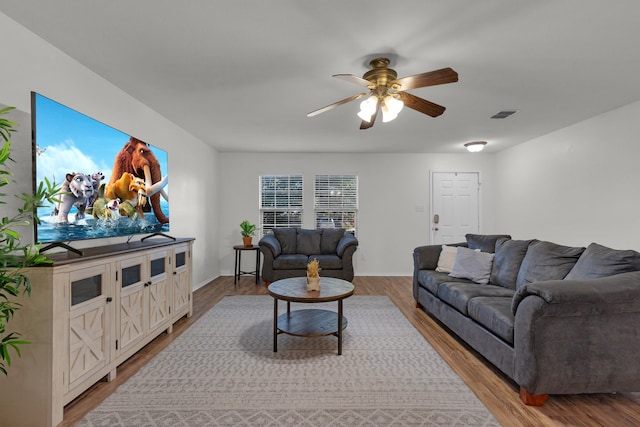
[447, 259]
[472, 265]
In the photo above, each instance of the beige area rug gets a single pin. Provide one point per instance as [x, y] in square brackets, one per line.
[222, 371]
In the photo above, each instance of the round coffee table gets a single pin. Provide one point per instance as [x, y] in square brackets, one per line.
[309, 322]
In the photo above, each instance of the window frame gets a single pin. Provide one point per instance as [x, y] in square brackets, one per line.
[342, 208]
[284, 201]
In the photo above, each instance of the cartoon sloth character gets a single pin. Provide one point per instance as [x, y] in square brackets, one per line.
[76, 190]
[104, 208]
[137, 158]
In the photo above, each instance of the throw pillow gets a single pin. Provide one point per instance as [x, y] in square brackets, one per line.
[484, 242]
[329, 240]
[447, 259]
[308, 242]
[547, 261]
[473, 265]
[506, 264]
[287, 237]
[601, 261]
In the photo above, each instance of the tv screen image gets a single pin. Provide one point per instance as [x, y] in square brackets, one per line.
[112, 183]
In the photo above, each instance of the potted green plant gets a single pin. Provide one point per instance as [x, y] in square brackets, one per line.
[247, 230]
[14, 255]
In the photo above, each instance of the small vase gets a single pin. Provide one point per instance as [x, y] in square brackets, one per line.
[313, 283]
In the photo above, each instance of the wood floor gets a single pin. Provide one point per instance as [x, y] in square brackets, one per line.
[497, 392]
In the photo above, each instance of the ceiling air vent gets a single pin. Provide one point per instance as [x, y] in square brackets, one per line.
[503, 114]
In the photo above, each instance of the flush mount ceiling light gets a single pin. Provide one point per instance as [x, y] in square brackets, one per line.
[475, 146]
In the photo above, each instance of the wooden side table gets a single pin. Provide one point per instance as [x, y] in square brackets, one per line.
[237, 272]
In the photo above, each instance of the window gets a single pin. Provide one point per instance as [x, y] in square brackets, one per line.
[280, 202]
[336, 201]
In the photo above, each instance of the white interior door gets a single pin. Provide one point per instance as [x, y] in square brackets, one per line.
[454, 206]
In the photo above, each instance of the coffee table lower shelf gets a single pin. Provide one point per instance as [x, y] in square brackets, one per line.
[309, 323]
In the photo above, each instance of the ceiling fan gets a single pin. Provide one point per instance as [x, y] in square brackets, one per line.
[387, 92]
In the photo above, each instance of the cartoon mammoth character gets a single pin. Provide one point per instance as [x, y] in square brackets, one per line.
[137, 158]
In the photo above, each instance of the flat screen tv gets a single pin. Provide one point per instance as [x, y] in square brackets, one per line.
[112, 183]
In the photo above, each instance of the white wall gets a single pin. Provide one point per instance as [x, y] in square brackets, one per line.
[390, 188]
[577, 185]
[31, 64]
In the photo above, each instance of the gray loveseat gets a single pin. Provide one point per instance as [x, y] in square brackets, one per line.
[555, 319]
[287, 251]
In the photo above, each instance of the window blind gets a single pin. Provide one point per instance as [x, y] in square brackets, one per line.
[280, 201]
[336, 201]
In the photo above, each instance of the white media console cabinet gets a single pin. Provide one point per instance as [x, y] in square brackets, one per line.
[88, 314]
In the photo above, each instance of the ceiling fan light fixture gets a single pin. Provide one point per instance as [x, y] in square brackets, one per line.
[387, 114]
[393, 104]
[365, 116]
[475, 146]
[368, 108]
[389, 93]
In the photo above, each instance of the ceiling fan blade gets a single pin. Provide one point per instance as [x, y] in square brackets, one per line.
[335, 104]
[353, 79]
[367, 124]
[421, 105]
[431, 78]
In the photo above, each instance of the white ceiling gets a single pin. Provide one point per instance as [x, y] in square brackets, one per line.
[242, 74]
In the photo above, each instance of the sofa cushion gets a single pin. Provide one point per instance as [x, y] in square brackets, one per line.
[309, 242]
[473, 265]
[329, 240]
[506, 264]
[458, 294]
[288, 238]
[290, 262]
[328, 262]
[600, 261]
[447, 259]
[431, 280]
[484, 242]
[494, 313]
[547, 261]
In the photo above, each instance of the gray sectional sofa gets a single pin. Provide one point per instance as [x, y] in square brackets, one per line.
[287, 251]
[555, 319]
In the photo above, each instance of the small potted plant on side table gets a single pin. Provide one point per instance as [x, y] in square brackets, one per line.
[248, 230]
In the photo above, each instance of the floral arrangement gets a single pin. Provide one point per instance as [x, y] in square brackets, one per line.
[313, 268]
[313, 275]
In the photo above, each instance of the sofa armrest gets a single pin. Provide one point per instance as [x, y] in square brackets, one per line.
[426, 257]
[607, 294]
[347, 239]
[270, 248]
[270, 242]
[578, 336]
